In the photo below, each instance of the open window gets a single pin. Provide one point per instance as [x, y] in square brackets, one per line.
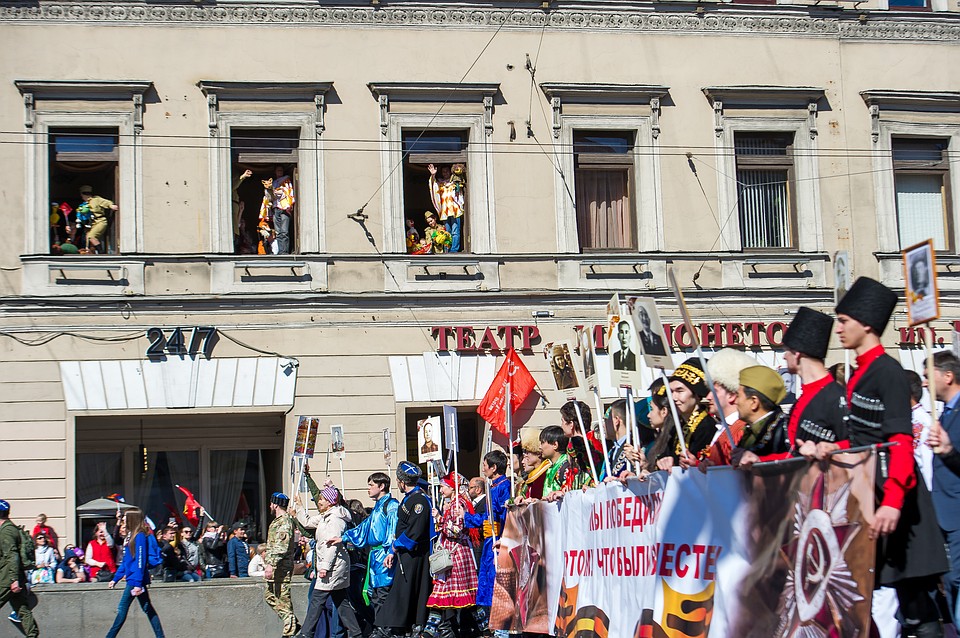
[435, 183]
[78, 158]
[605, 183]
[265, 220]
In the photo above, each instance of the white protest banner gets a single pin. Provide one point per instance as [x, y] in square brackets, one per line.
[782, 553]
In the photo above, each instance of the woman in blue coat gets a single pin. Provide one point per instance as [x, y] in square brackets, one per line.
[140, 546]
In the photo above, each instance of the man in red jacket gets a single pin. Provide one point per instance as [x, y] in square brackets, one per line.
[910, 551]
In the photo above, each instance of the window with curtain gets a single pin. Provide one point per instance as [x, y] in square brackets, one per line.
[765, 189]
[604, 184]
[922, 181]
[155, 490]
[99, 474]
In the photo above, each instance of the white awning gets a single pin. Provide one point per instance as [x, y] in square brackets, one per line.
[178, 383]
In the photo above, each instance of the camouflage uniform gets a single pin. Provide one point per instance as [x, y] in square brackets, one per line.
[11, 570]
[279, 555]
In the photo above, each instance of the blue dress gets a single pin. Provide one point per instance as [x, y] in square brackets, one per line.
[499, 495]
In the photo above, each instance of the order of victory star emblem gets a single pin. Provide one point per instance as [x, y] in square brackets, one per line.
[820, 589]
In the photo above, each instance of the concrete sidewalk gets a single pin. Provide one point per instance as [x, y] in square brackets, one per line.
[220, 607]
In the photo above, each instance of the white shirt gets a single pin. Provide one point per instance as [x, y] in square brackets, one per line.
[730, 419]
[920, 419]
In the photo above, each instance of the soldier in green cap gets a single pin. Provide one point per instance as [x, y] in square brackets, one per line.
[279, 563]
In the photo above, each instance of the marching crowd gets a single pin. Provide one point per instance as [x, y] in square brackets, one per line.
[424, 566]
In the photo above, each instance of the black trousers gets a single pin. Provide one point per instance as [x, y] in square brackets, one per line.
[917, 597]
[318, 601]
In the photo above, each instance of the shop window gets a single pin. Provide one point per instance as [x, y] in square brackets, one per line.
[604, 179]
[435, 183]
[83, 222]
[154, 484]
[765, 184]
[922, 183]
[264, 220]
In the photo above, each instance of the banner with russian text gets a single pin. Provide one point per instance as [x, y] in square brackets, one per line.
[782, 552]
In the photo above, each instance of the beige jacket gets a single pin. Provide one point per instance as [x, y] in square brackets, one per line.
[332, 558]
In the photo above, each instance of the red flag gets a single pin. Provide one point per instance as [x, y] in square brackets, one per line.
[190, 507]
[493, 406]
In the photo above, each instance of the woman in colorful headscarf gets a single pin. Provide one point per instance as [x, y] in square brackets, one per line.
[455, 588]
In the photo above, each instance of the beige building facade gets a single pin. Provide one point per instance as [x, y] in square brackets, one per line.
[741, 145]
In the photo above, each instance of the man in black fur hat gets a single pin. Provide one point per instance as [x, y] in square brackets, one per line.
[910, 551]
[818, 413]
[406, 602]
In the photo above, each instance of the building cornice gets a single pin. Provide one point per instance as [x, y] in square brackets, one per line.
[633, 17]
[912, 100]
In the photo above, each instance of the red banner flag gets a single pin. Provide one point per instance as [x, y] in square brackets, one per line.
[493, 407]
[190, 507]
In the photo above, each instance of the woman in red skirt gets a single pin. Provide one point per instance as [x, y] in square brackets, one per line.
[454, 589]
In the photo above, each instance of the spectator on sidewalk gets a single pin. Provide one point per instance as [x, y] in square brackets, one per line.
[46, 560]
[189, 555]
[42, 528]
[257, 567]
[214, 551]
[238, 552]
[100, 555]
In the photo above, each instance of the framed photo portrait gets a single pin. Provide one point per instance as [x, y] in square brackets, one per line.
[920, 278]
[561, 365]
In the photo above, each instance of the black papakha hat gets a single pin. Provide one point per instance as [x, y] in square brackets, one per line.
[869, 302]
[809, 333]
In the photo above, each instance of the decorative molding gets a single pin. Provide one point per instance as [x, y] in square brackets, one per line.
[588, 93]
[216, 91]
[120, 90]
[639, 17]
[805, 97]
[387, 92]
[924, 101]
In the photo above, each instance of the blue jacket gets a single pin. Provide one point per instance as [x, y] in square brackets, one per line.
[238, 557]
[946, 483]
[376, 533]
[134, 564]
[499, 495]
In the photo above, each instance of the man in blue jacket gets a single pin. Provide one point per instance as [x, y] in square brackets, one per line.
[494, 467]
[945, 440]
[376, 533]
[238, 552]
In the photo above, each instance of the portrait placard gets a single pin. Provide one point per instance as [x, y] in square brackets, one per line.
[429, 439]
[336, 441]
[841, 275]
[306, 443]
[650, 335]
[920, 278]
[588, 356]
[561, 365]
[387, 453]
[624, 353]
[450, 428]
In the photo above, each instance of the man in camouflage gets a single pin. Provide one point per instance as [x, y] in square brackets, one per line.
[279, 563]
[13, 579]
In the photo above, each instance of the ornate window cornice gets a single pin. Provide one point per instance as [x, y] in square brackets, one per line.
[465, 92]
[746, 96]
[215, 91]
[120, 90]
[936, 101]
[588, 93]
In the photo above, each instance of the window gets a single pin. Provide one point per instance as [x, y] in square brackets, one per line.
[765, 189]
[264, 224]
[260, 126]
[83, 157]
[908, 4]
[604, 176]
[441, 194]
[922, 182]
[419, 128]
[83, 133]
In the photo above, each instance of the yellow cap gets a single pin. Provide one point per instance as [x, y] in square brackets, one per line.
[764, 380]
